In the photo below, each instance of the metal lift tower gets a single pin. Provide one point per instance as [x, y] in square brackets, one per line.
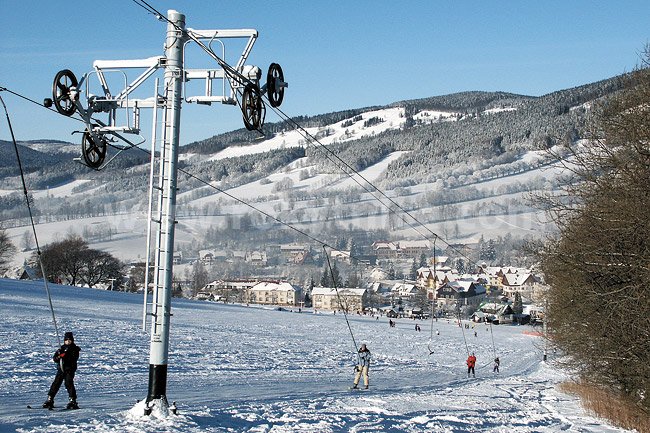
[240, 86]
[164, 252]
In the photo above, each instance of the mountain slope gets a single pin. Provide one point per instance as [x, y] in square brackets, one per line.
[462, 164]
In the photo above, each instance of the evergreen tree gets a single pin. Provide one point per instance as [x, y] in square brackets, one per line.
[326, 278]
[353, 280]
[336, 276]
[423, 260]
[391, 271]
[517, 305]
[414, 270]
[199, 277]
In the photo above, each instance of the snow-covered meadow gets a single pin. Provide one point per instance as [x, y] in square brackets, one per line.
[234, 368]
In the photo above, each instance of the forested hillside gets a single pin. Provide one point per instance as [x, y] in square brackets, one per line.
[453, 143]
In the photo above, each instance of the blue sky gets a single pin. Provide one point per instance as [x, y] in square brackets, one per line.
[335, 54]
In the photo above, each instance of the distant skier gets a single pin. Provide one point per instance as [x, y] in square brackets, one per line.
[66, 365]
[496, 365]
[471, 363]
[362, 367]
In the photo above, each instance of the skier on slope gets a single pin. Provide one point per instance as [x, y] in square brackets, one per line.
[471, 363]
[495, 369]
[362, 367]
[66, 365]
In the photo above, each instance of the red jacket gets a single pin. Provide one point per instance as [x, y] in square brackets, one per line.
[471, 361]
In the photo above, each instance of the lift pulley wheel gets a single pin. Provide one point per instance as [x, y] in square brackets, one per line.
[93, 149]
[252, 107]
[62, 97]
[275, 85]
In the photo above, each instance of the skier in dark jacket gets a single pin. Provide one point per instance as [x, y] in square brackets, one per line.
[496, 365]
[66, 365]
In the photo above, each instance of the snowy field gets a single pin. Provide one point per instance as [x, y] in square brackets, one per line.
[250, 369]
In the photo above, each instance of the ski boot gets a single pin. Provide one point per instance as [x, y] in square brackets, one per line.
[72, 404]
[49, 403]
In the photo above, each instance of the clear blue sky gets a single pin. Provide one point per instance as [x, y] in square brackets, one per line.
[335, 54]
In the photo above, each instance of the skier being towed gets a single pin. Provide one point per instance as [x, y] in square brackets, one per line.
[66, 365]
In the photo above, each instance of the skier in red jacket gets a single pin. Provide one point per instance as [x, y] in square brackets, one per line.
[471, 363]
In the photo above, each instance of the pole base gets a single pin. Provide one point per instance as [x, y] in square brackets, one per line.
[158, 407]
[157, 382]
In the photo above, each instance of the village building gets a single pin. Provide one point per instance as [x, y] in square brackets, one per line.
[257, 258]
[405, 290]
[413, 249]
[428, 278]
[526, 284]
[295, 253]
[340, 256]
[385, 250]
[208, 257]
[460, 292]
[493, 312]
[275, 293]
[229, 290]
[332, 299]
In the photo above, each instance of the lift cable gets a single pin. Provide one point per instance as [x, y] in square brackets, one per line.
[310, 138]
[31, 218]
[242, 79]
[433, 297]
[343, 307]
[226, 193]
[460, 324]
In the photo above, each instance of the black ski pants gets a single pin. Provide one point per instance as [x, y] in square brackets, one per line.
[66, 376]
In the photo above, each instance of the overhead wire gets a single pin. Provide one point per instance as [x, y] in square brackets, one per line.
[344, 308]
[244, 80]
[311, 139]
[31, 218]
[226, 193]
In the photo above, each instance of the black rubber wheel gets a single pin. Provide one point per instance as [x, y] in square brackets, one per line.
[275, 91]
[93, 150]
[252, 107]
[63, 82]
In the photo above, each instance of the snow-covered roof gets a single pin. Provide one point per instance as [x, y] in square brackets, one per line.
[273, 286]
[516, 279]
[330, 291]
[382, 245]
[414, 244]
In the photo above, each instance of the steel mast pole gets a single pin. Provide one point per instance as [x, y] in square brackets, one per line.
[161, 303]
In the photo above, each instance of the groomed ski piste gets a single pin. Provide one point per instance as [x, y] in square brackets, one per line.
[237, 368]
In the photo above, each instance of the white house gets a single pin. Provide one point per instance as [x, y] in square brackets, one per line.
[331, 299]
[275, 293]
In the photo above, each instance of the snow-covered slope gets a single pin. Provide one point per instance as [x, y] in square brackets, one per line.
[249, 369]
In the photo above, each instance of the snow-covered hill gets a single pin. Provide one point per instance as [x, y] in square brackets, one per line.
[495, 204]
[248, 369]
[464, 165]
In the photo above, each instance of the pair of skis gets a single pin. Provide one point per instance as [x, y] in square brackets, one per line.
[53, 408]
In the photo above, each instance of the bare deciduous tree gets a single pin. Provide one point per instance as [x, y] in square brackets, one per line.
[599, 265]
[7, 249]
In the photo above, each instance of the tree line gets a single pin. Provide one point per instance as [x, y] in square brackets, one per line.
[597, 266]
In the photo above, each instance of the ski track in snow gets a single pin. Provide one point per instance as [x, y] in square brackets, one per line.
[250, 369]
